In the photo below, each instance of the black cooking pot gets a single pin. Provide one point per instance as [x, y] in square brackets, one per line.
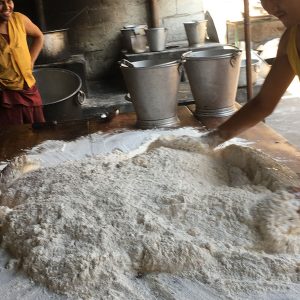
[61, 93]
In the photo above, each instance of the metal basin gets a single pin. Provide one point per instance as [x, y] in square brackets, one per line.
[56, 47]
[61, 93]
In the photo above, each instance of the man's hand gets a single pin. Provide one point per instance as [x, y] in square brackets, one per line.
[212, 139]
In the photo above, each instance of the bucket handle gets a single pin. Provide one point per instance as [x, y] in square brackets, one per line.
[256, 68]
[128, 98]
[126, 63]
[184, 55]
[183, 60]
[80, 97]
[234, 58]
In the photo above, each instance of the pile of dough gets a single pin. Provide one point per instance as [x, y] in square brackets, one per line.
[279, 222]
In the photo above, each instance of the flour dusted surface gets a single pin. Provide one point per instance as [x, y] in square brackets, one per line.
[110, 227]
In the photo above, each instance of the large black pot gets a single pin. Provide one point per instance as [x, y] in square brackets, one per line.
[61, 93]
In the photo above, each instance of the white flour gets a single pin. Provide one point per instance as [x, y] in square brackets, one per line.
[116, 226]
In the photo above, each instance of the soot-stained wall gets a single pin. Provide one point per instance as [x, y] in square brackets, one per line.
[94, 25]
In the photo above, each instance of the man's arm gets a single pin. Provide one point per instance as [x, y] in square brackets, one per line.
[37, 38]
[264, 103]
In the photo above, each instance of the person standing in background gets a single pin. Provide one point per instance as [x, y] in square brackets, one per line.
[20, 100]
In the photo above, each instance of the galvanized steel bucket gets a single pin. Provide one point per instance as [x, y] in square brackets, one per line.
[213, 75]
[157, 38]
[196, 32]
[134, 38]
[153, 87]
[243, 72]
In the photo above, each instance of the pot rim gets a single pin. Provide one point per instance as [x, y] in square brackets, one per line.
[65, 71]
[54, 31]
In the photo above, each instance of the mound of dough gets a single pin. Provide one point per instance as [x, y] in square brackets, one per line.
[260, 168]
[17, 167]
[87, 228]
[279, 222]
[185, 143]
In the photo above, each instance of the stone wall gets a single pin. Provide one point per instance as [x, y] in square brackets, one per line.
[175, 12]
[94, 26]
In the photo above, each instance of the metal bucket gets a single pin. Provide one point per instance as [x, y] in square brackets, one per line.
[196, 32]
[157, 38]
[134, 38]
[60, 92]
[55, 48]
[213, 76]
[243, 73]
[153, 87]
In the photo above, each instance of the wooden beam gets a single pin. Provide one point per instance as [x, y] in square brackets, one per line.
[155, 22]
[248, 49]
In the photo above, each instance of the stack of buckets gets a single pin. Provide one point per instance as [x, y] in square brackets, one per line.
[136, 38]
[153, 84]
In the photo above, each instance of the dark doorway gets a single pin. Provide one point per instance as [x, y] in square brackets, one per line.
[27, 8]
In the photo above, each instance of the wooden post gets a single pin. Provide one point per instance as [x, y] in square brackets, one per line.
[154, 14]
[248, 49]
[41, 14]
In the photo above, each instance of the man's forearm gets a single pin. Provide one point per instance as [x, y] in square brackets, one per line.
[249, 115]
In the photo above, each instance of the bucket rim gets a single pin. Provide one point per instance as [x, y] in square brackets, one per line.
[189, 22]
[161, 65]
[195, 22]
[215, 54]
[254, 61]
[200, 21]
[65, 71]
[156, 29]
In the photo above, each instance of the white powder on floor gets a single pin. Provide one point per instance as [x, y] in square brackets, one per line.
[110, 227]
